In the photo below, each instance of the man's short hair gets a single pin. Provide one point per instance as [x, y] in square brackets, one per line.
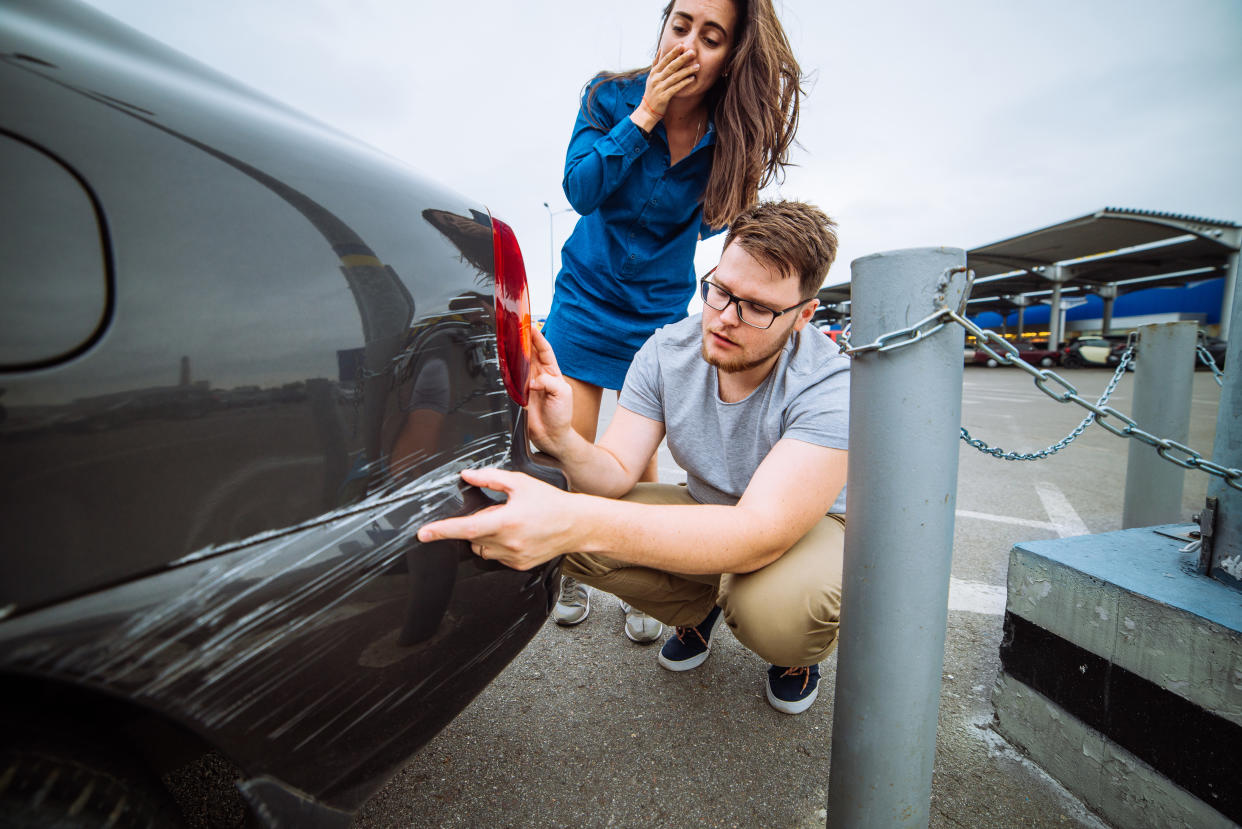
[794, 237]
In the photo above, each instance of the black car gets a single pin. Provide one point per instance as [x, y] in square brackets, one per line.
[1216, 348]
[242, 358]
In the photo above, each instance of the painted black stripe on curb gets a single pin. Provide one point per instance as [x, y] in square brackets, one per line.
[1189, 745]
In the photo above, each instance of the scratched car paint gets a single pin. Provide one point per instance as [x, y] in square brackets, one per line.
[243, 356]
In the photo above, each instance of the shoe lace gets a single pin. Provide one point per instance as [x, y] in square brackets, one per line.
[805, 671]
[571, 594]
[683, 631]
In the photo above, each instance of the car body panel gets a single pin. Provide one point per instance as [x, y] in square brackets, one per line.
[209, 505]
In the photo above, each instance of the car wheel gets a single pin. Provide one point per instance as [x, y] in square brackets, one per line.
[1046, 362]
[53, 787]
[992, 362]
[1073, 361]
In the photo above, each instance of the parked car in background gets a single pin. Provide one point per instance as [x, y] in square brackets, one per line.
[1217, 348]
[1093, 351]
[831, 333]
[242, 358]
[1035, 353]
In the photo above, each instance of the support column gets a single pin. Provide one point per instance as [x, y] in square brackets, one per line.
[1163, 381]
[1108, 293]
[1058, 276]
[1021, 301]
[1055, 334]
[905, 407]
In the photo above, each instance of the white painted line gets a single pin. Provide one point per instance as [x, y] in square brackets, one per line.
[1003, 398]
[976, 597]
[1059, 509]
[1006, 519]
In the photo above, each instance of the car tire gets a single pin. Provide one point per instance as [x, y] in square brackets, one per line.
[1073, 361]
[992, 362]
[55, 786]
[1046, 362]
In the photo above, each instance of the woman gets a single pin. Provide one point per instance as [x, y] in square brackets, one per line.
[661, 157]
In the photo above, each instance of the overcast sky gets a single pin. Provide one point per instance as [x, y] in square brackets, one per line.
[953, 123]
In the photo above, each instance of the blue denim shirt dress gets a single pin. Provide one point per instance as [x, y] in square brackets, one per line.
[628, 267]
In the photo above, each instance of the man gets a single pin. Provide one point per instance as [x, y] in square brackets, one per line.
[755, 404]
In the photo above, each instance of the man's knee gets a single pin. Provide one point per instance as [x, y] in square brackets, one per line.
[798, 627]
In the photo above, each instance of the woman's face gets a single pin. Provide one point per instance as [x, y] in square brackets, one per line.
[708, 28]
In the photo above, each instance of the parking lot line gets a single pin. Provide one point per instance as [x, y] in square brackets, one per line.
[1008, 519]
[976, 597]
[1064, 517]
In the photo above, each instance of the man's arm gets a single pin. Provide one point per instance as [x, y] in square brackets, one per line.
[791, 490]
[609, 468]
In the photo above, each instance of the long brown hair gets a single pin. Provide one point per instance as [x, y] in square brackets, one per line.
[754, 106]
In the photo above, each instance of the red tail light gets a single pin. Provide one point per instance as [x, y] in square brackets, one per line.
[512, 312]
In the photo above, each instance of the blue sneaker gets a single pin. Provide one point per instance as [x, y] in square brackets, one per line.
[691, 645]
[792, 690]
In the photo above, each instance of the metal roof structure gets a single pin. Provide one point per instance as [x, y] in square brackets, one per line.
[1108, 232]
[833, 303]
[1109, 252]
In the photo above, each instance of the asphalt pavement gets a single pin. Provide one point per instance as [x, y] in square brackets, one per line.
[585, 729]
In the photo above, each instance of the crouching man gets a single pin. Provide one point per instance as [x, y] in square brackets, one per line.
[755, 404]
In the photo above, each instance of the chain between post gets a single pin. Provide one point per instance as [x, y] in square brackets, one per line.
[1099, 412]
[1206, 358]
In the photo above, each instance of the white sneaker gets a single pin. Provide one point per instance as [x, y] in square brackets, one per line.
[574, 603]
[640, 627]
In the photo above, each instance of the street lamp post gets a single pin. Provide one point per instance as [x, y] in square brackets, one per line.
[552, 241]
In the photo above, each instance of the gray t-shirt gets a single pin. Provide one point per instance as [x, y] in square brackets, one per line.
[720, 445]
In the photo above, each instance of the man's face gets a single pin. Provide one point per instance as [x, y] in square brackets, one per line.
[730, 344]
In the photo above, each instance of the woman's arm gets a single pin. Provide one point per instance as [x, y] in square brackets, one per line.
[598, 160]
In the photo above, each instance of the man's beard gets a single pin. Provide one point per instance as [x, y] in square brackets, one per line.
[740, 362]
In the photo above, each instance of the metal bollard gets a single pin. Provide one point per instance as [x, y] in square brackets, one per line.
[1163, 380]
[905, 412]
[1225, 549]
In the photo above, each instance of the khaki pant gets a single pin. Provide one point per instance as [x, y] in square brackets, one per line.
[785, 612]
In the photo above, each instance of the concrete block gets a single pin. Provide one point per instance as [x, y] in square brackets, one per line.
[1112, 782]
[1131, 598]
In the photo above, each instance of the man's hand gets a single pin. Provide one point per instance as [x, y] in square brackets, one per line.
[534, 526]
[550, 403]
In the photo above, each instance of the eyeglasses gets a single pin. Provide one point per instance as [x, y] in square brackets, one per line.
[751, 313]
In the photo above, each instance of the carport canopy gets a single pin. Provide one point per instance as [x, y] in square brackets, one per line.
[1109, 252]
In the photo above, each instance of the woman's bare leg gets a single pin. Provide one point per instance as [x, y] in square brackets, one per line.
[586, 407]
